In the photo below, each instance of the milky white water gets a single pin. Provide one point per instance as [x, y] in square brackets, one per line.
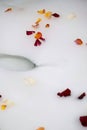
[60, 64]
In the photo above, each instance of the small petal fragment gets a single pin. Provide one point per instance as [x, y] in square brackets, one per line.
[8, 10]
[43, 39]
[38, 20]
[78, 41]
[37, 42]
[48, 14]
[40, 128]
[71, 16]
[38, 35]
[41, 11]
[56, 15]
[82, 96]
[35, 26]
[3, 107]
[64, 93]
[47, 25]
[29, 32]
[83, 120]
[30, 81]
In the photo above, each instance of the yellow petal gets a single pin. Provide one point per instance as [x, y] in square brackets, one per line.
[3, 107]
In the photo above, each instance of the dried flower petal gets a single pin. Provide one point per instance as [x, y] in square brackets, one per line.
[64, 93]
[41, 11]
[8, 10]
[38, 35]
[78, 41]
[41, 128]
[71, 16]
[29, 32]
[48, 14]
[3, 107]
[38, 21]
[83, 120]
[41, 38]
[7, 103]
[82, 96]
[56, 15]
[35, 25]
[30, 81]
[37, 42]
[47, 25]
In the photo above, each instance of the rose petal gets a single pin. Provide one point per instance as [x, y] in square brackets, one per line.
[29, 32]
[41, 11]
[47, 25]
[83, 120]
[3, 107]
[82, 96]
[78, 41]
[37, 43]
[48, 14]
[41, 128]
[64, 93]
[38, 35]
[41, 38]
[56, 15]
[35, 25]
[8, 10]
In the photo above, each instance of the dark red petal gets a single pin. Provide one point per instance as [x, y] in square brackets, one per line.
[83, 120]
[37, 43]
[29, 32]
[0, 96]
[41, 38]
[82, 96]
[56, 15]
[64, 93]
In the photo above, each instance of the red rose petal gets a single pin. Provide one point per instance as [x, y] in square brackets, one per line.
[41, 38]
[56, 15]
[29, 32]
[82, 96]
[64, 93]
[83, 120]
[37, 43]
